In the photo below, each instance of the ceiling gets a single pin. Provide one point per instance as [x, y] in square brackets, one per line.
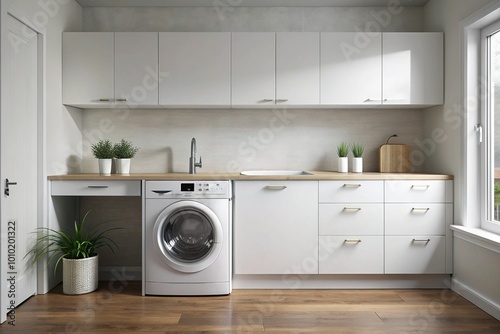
[249, 3]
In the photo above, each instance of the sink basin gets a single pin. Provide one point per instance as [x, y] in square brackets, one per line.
[274, 172]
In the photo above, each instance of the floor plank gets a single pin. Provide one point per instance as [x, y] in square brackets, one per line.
[252, 311]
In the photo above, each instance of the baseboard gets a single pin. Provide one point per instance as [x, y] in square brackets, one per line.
[476, 298]
[120, 274]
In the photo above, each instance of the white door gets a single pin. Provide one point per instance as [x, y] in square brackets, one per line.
[351, 69]
[253, 69]
[18, 162]
[297, 68]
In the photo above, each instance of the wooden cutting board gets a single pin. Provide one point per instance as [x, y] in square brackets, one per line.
[394, 158]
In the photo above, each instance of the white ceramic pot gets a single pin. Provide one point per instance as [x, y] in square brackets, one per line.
[80, 275]
[105, 166]
[343, 164]
[357, 165]
[123, 166]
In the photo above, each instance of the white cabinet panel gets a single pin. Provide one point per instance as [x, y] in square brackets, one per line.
[297, 68]
[351, 219]
[351, 191]
[253, 59]
[415, 255]
[411, 219]
[136, 68]
[412, 68]
[415, 191]
[351, 72]
[96, 188]
[351, 255]
[198, 67]
[88, 63]
[275, 227]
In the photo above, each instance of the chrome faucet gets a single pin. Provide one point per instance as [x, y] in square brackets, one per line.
[192, 160]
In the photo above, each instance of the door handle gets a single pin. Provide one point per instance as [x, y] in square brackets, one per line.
[7, 184]
[275, 187]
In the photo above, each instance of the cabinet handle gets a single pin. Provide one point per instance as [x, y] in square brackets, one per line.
[267, 100]
[352, 209]
[281, 100]
[420, 209]
[352, 185]
[420, 186]
[98, 187]
[352, 241]
[121, 100]
[275, 187]
[421, 240]
[104, 100]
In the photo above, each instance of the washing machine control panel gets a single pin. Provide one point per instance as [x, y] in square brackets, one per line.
[186, 189]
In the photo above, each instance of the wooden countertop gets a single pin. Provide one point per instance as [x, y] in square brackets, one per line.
[221, 176]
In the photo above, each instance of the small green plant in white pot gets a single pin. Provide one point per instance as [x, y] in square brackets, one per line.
[357, 160]
[103, 151]
[342, 151]
[123, 152]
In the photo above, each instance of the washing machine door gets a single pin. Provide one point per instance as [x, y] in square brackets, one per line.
[189, 236]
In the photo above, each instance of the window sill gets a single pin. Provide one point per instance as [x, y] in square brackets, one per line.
[477, 236]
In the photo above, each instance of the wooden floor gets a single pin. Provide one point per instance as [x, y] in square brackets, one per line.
[112, 309]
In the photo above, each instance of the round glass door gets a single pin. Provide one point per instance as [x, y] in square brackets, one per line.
[188, 235]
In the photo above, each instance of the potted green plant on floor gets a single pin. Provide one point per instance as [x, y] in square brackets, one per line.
[357, 160]
[342, 151]
[77, 249]
[103, 150]
[124, 151]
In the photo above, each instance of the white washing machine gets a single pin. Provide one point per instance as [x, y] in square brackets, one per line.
[187, 238]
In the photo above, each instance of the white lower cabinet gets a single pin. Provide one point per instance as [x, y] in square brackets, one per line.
[415, 254]
[351, 255]
[275, 227]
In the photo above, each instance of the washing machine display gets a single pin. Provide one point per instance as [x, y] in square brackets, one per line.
[187, 244]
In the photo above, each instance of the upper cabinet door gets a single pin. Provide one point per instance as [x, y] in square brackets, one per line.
[253, 69]
[136, 68]
[351, 69]
[297, 68]
[88, 68]
[197, 68]
[413, 68]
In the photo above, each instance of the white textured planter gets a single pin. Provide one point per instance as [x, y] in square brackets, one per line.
[105, 166]
[343, 165]
[357, 165]
[123, 166]
[80, 275]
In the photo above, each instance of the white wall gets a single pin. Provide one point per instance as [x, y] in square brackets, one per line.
[226, 137]
[476, 272]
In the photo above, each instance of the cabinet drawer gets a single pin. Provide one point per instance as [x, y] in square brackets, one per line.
[415, 219]
[415, 255]
[351, 255]
[96, 188]
[351, 191]
[415, 191]
[351, 219]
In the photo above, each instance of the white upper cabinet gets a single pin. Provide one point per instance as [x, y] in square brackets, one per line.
[412, 68]
[253, 69]
[88, 66]
[110, 69]
[297, 68]
[136, 68]
[197, 67]
[351, 69]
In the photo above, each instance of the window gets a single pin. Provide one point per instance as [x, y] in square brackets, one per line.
[489, 128]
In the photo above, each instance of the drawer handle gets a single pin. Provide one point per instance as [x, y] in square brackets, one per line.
[267, 100]
[352, 241]
[98, 187]
[422, 240]
[104, 100]
[420, 209]
[420, 186]
[352, 185]
[121, 100]
[275, 187]
[281, 100]
[352, 209]
[162, 192]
